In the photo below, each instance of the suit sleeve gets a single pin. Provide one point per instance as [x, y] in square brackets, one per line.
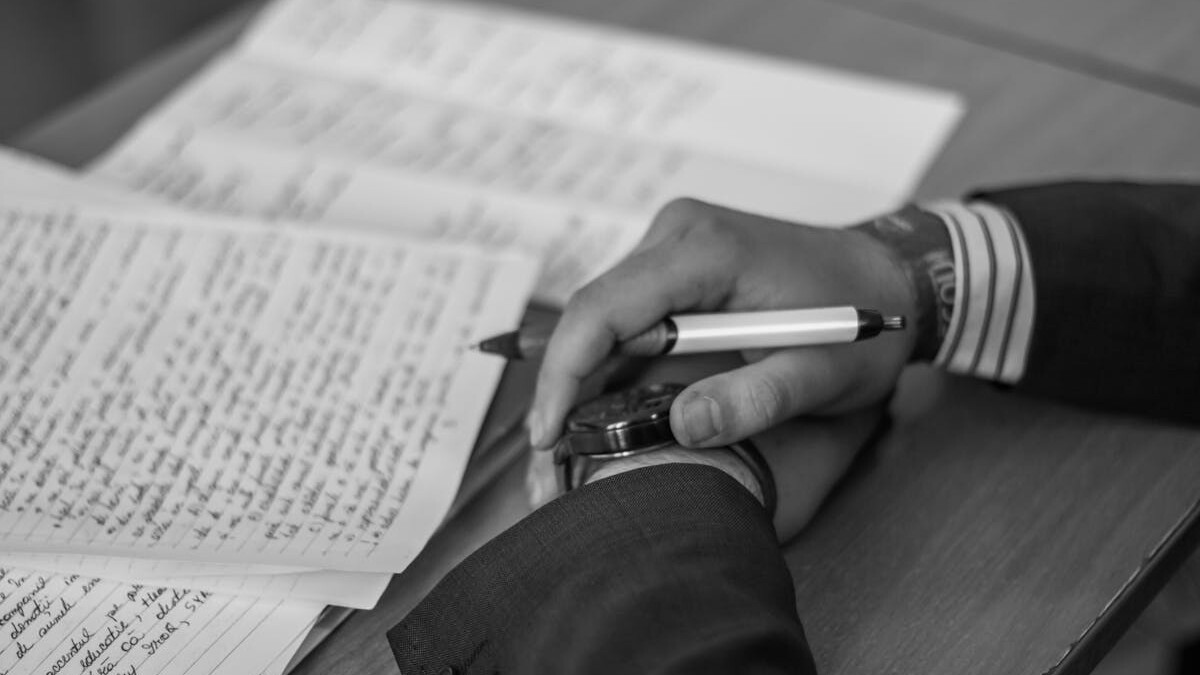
[667, 569]
[1117, 270]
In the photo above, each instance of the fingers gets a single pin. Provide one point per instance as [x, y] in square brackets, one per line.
[730, 406]
[618, 305]
[686, 266]
[808, 456]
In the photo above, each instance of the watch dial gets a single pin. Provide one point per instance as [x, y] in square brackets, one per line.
[624, 407]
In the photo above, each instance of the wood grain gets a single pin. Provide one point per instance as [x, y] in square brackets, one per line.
[1154, 41]
[989, 534]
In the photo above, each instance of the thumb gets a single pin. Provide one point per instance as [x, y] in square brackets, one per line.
[734, 405]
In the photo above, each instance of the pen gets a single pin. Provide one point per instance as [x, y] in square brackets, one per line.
[693, 333]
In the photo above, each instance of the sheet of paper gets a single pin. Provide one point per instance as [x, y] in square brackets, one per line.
[258, 103]
[812, 120]
[360, 590]
[329, 621]
[31, 177]
[69, 625]
[290, 654]
[28, 176]
[210, 171]
[110, 566]
[299, 123]
[223, 392]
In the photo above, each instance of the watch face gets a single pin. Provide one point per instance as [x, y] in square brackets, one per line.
[623, 421]
[638, 404]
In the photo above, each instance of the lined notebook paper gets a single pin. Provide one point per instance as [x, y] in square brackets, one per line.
[360, 590]
[74, 624]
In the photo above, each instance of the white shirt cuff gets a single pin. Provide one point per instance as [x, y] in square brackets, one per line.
[992, 322]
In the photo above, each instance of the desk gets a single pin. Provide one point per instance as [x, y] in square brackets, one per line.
[1149, 45]
[988, 534]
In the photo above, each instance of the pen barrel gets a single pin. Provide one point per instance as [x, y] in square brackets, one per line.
[695, 333]
[766, 330]
[655, 341]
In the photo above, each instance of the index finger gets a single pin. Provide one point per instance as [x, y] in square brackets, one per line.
[680, 273]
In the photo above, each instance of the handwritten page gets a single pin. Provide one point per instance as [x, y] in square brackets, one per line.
[110, 566]
[259, 103]
[73, 624]
[422, 118]
[28, 176]
[225, 392]
[812, 120]
[360, 590]
[209, 171]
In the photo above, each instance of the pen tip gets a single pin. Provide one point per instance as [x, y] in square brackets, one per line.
[506, 345]
[894, 323]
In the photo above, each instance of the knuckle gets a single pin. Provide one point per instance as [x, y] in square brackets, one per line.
[691, 222]
[680, 210]
[767, 399]
[684, 216]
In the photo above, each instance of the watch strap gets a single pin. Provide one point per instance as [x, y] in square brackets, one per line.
[574, 470]
[748, 452]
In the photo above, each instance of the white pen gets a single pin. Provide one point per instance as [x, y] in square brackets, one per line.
[728, 331]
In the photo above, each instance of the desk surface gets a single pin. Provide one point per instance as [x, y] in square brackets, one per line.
[1150, 44]
[988, 534]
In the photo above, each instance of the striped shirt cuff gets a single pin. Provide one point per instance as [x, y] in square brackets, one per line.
[992, 322]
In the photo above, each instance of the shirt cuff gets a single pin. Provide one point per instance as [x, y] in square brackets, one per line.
[992, 322]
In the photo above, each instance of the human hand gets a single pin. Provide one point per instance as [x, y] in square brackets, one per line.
[700, 257]
[807, 456]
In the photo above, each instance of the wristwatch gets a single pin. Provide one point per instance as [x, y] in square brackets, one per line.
[634, 422]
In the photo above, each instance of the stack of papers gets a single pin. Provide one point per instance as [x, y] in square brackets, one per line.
[234, 384]
[212, 429]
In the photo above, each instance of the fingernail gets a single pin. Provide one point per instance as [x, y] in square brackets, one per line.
[701, 420]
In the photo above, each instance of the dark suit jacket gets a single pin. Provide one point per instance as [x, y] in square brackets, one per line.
[676, 569]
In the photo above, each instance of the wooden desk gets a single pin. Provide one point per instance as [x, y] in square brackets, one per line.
[1149, 44]
[988, 534]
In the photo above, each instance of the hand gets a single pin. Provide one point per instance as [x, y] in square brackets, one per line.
[807, 456]
[700, 257]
